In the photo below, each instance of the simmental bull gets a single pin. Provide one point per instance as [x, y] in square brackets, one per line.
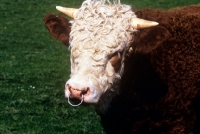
[142, 75]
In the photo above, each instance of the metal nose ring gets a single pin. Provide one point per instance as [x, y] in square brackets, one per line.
[75, 105]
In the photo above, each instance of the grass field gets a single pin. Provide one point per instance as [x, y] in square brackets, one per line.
[34, 68]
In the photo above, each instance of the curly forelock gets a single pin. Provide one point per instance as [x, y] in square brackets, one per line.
[102, 24]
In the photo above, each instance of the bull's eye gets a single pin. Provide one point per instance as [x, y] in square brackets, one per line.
[115, 61]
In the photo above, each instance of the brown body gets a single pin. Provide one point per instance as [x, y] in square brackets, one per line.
[160, 86]
[161, 89]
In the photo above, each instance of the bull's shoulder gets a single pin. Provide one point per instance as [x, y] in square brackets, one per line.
[187, 14]
[173, 12]
[192, 9]
[180, 22]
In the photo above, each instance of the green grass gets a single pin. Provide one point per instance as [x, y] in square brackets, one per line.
[34, 68]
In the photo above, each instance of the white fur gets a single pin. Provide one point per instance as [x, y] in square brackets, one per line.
[99, 29]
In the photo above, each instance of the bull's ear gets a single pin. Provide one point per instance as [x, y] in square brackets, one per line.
[59, 27]
[149, 39]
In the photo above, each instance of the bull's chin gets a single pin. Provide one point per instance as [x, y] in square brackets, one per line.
[90, 100]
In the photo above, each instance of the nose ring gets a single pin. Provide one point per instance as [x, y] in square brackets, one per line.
[75, 105]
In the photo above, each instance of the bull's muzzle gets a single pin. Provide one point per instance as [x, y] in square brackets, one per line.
[77, 93]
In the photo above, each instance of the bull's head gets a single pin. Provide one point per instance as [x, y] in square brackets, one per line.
[100, 36]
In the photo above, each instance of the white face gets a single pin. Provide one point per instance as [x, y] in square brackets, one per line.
[92, 72]
[99, 35]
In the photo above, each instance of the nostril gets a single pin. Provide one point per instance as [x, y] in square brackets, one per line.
[67, 85]
[85, 91]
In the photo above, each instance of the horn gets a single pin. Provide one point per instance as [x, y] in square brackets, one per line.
[71, 12]
[141, 23]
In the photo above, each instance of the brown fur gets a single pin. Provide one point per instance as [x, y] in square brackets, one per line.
[160, 88]
[116, 62]
[59, 27]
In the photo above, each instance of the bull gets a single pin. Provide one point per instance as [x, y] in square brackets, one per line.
[141, 69]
